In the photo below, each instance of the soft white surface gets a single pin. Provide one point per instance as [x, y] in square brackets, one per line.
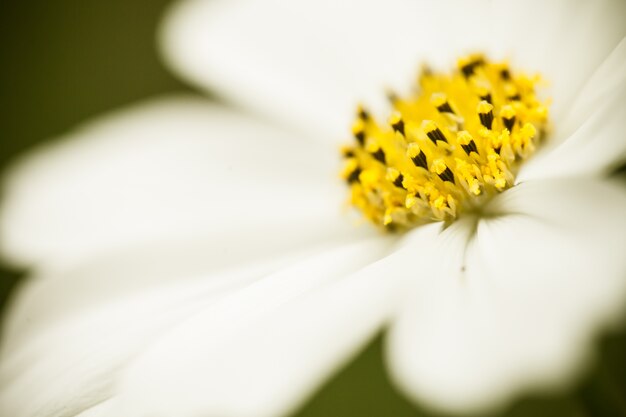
[307, 63]
[592, 137]
[564, 40]
[263, 350]
[76, 363]
[517, 308]
[52, 296]
[177, 168]
[71, 364]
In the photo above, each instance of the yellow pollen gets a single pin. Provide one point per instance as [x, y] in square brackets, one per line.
[484, 107]
[438, 166]
[454, 143]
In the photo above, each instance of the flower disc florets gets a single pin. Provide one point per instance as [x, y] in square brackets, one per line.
[455, 142]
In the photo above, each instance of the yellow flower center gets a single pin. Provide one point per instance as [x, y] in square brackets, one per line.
[455, 142]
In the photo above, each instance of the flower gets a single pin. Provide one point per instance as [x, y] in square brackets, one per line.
[190, 259]
[449, 147]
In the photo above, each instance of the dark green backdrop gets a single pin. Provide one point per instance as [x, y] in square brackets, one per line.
[64, 61]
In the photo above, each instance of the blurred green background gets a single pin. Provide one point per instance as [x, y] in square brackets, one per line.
[65, 61]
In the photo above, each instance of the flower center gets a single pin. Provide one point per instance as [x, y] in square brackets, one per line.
[448, 147]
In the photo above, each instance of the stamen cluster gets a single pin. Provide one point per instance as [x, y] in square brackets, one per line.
[456, 141]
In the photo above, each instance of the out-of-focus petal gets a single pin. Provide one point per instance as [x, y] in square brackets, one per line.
[75, 363]
[55, 295]
[516, 308]
[65, 366]
[592, 138]
[105, 408]
[264, 350]
[564, 40]
[308, 63]
[172, 169]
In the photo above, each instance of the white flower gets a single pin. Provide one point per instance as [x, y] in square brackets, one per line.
[191, 260]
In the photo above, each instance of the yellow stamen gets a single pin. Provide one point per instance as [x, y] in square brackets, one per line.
[458, 140]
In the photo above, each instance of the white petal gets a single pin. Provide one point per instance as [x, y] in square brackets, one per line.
[172, 169]
[309, 62]
[591, 139]
[262, 351]
[75, 364]
[516, 309]
[103, 409]
[71, 364]
[53, 296]
[564, 40]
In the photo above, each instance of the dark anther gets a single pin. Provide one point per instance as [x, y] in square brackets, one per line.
[505, 74]
[447, 175]
[379, 155]
[435, 135]
[360, 137]
[391, 228]
[470, 147]
[398, 181]
[487, 98]
[348, 153]
[420, 160]
[354, 176]
[486, 119]
[509, 123]
[398, 126]
[469, 68]
[445, 108]
[363, 114]
[515, 97]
